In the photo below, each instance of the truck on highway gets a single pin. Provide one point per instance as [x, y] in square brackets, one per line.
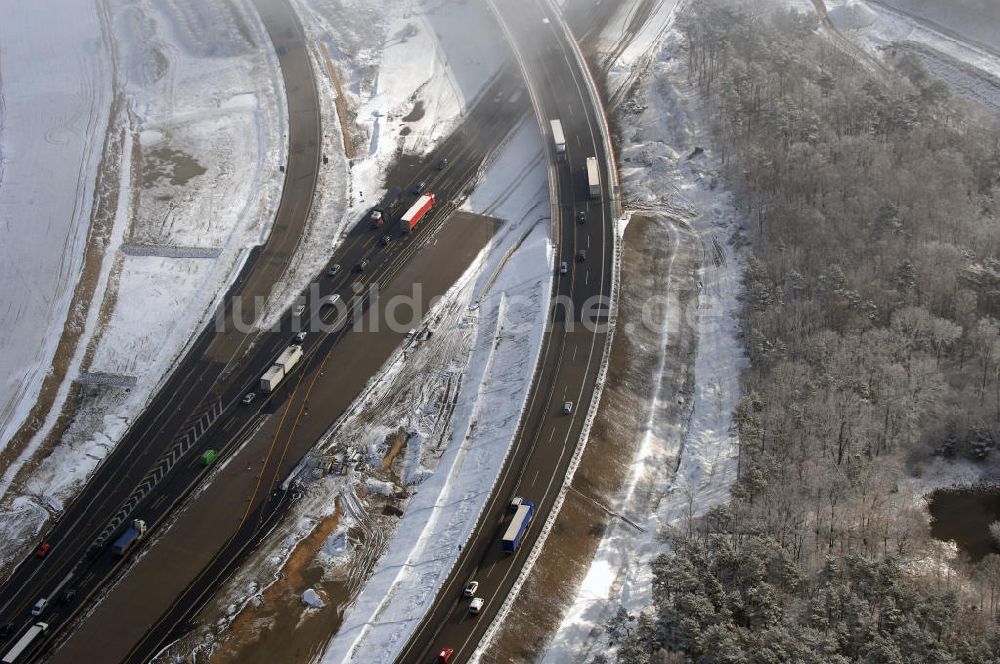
[129, 537]
[25, 641]
[518, 525]
[281, 368]
[416, 212]
[593, 177]
[558, 138]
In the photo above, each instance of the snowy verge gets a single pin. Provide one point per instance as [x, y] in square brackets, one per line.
[659, 180]
[510, 306]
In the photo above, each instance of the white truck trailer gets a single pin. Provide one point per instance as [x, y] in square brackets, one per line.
[25, 642]
[593, 177]
[558, 138]
[281, 368]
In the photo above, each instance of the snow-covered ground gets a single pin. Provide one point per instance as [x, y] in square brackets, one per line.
[973, 19]
[509, 301]
[657, 178]
[968, 69]
[204, 136]
[55, 100]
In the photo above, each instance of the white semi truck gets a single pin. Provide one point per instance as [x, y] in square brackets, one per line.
[25, 642]
[281, 368]
[593, 177]
[558, 138]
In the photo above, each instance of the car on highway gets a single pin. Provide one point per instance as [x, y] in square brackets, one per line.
[445, 655]
[360, 267]
[386, 239]
[581, 217]
[476, 605]
[43, 549]
[563, 267]
[299, 308]
[248, 398]
[443, 164]
[298, 339]
[67, 595]
[334, 270]
[419, 187]
[39, 606]
[375, 218]
[470, 588]
[581, 255]
[567, 408]
[6, 629]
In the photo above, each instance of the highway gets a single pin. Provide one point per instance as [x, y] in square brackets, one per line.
[571, 354]
[154, 468]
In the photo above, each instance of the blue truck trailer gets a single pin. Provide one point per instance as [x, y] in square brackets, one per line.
[518, 525]
[129, 537]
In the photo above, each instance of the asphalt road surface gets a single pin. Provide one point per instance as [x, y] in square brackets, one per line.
[571, 354]
[154, 468]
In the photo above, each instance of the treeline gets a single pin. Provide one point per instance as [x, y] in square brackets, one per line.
[872, 322]
[716, 601]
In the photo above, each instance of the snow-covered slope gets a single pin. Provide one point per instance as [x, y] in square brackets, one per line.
[198, 186]
[56, 89]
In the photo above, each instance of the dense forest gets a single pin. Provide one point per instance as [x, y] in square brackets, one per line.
[872, 323]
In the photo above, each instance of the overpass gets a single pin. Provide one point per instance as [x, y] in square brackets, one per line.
[574, 354]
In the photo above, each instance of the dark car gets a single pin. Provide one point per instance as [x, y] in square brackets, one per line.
[386, 239]
[333, 271]
[43, 549]
[419, 187]
[443, 164]
[360, 267]
[68, 595]
[581, 217]
[581, 255]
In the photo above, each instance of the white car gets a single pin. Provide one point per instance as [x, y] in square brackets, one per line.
[470, 588]
[476, 605]
[39, 606]
[567, 408]
[563, 267]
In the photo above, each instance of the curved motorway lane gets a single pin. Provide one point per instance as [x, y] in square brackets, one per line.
[572, 353]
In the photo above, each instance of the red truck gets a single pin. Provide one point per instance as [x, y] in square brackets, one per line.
[416, 212]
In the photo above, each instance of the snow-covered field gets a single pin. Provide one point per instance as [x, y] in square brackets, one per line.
[657, 179]
[205, 134]
[968, 69]
[55, 100]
